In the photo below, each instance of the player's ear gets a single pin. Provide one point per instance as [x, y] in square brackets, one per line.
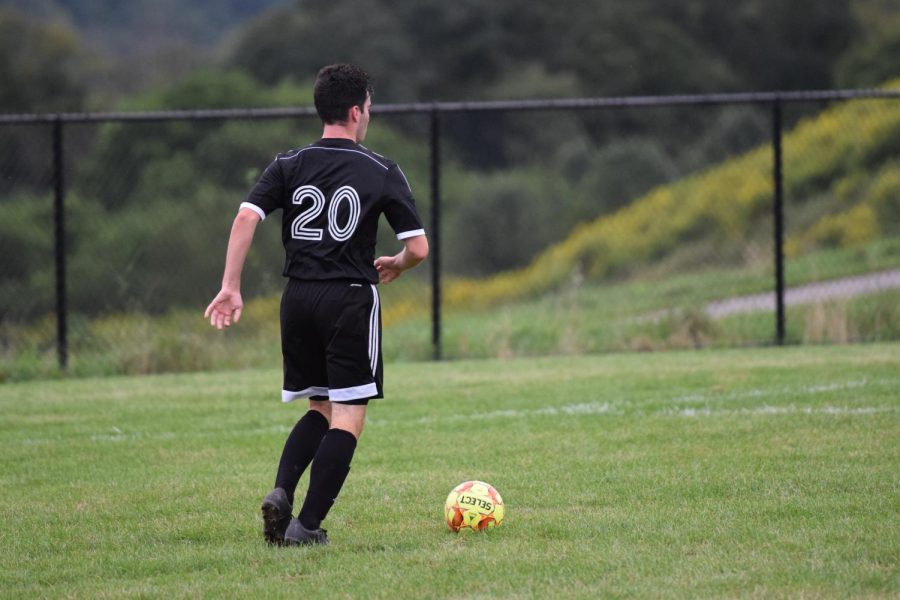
[354, 113]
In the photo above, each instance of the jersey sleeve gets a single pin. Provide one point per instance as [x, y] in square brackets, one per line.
[266, 195]
[400, 207]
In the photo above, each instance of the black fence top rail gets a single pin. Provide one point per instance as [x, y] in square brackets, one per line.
[458, 107]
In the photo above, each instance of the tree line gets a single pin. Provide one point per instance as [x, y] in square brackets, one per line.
[143, 198]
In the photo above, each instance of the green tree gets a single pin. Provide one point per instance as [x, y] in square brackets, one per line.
[873, 62]
[435, 50]
[42, 69]
[772, 44]
[41, 66]
[131, 156]
[294, 42]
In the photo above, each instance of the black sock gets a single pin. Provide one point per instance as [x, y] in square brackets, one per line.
[326, 476]
[299, 449]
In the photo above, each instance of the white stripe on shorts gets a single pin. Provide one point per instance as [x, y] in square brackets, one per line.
[290, 396]
[353, 393]
[374, 341]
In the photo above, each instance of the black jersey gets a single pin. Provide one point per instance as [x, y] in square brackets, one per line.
[332, 194]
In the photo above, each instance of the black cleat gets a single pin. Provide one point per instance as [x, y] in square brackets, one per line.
[276, 512]
[298, 535]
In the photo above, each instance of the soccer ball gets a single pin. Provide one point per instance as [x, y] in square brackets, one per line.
[474, 505]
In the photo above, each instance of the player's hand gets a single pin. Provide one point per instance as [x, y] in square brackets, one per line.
[387, 268]
[225, 308]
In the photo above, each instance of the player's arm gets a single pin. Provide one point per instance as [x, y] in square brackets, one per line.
[227, 305]
[415, 250]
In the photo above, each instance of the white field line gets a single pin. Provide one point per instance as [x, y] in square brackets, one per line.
[606, 409]
[622, 408]
[676, 408]
[786, 391]
[780, 410]
[583, 408]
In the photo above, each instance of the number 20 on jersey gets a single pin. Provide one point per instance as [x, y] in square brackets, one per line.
[339, 232]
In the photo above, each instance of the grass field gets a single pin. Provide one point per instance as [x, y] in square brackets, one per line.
[761, 473]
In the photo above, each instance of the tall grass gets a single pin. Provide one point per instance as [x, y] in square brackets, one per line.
[656, 313]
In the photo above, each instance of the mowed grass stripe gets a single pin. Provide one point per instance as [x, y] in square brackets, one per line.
[764, 472]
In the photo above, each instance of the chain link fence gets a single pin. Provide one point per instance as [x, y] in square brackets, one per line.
[556, 227]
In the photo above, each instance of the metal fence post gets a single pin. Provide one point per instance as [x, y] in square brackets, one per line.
[59, 234]
[775, 99]
[778, 214]
[435, 234]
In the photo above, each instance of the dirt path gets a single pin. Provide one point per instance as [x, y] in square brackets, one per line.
[847, 287]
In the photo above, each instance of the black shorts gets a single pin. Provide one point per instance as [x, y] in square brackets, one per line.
[331, 341]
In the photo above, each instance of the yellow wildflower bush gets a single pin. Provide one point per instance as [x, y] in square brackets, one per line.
[878, 207]
[720, 201]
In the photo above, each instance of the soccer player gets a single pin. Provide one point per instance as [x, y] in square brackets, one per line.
[332, 194]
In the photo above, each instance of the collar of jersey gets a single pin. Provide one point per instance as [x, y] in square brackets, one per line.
[336, 142]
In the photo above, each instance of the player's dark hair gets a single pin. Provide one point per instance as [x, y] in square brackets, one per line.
[339, 88]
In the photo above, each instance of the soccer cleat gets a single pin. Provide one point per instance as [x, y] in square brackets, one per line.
[276, 512]
[298, 535]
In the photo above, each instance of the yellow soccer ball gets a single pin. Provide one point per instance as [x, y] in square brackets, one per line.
[474, 505]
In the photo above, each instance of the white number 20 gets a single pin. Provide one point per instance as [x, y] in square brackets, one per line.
[340, 233]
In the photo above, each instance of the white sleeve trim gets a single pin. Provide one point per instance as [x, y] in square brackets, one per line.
[409, 234]
[256, 209]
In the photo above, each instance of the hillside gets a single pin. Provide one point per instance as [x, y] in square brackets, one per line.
[848, 154]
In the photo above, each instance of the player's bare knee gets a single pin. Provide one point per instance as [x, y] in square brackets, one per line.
[351, 426]
[322, 406]
[350, 418]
